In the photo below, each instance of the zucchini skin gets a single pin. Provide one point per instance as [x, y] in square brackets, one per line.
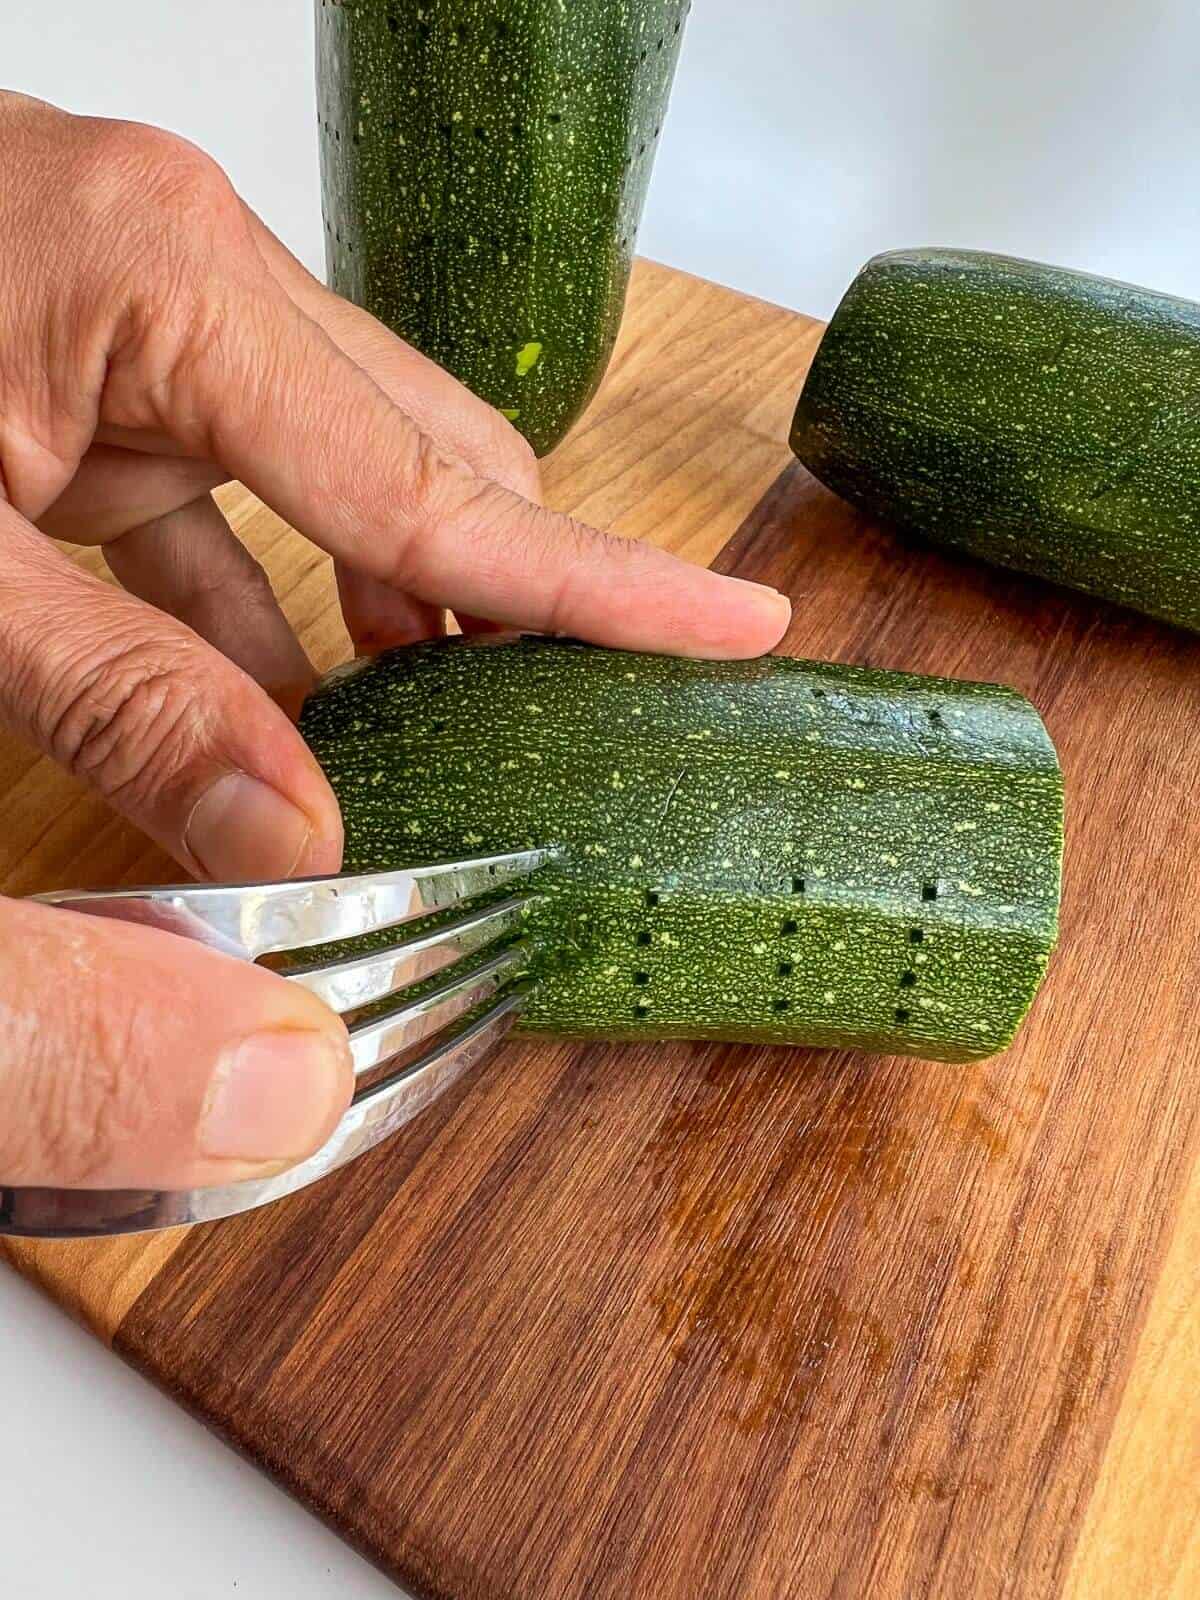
[1041, 419]
[484, 166]
[776, 850]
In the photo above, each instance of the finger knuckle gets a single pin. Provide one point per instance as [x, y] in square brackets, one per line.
[241, 585]
[430, 489]
[166, 209]
[165, 172]
[512, 459]
[588, 562]
[434, 480]
[560, 560]
[132, 719]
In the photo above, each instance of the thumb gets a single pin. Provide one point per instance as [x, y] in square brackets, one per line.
[174, 735]
[117, 1071]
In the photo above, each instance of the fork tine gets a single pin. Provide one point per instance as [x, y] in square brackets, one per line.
[461, 1015]
[377, 1039]
[358, 980]
[381, 1109]
[375, 1113]
[252, 920]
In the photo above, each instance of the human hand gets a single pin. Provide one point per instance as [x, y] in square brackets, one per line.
[155, 340]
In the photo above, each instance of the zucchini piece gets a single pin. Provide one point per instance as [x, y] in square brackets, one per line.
[1039, 418]
[484, 169]
[774, 850]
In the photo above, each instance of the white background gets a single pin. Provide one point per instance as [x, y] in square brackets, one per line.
[805, 135]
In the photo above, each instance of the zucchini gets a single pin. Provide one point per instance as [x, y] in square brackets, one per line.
[774, 850]
[1039, 418]
[484, 168]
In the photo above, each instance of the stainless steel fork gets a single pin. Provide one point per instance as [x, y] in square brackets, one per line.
[256, 920]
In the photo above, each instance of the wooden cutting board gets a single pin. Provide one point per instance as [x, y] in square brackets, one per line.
[699, 1321]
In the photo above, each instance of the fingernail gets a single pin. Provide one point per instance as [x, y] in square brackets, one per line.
[776, 605]
[243, 831]
[275, 1097]
[742, 625]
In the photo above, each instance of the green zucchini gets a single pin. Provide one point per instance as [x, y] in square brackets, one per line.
[484, 167]
[772, 850]
[1038, 418]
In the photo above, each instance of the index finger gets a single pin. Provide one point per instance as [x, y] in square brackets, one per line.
[287, 412]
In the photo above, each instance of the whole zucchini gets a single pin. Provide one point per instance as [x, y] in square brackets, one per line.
[769, 850]
[1039, 418]
[484, 166]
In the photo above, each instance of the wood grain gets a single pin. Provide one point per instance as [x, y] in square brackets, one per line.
[693, 1320]
[1141, 1535]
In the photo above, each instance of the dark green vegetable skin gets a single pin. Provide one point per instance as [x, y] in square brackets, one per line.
[1039, 418]
[484, 166]
[770, 850]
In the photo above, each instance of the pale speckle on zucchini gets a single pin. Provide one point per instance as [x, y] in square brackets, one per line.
[484, 168]
[1038, 418]
[716, 902]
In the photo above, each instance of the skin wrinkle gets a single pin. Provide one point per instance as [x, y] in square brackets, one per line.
[70, 375]
[431, 480]
[388, 499]
[33, 471]
[65, 343]
[144, 736]
[111, 714]
[173, 224]
[497, 539]
[71, 1110]
[72, 1114]
[24, 623]
[245, 588]
[149, 384]
[81, 1118]
[83, 664]
[36, 466]
[121, 1106]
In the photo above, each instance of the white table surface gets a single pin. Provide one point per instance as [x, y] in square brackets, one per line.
[805, 135]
